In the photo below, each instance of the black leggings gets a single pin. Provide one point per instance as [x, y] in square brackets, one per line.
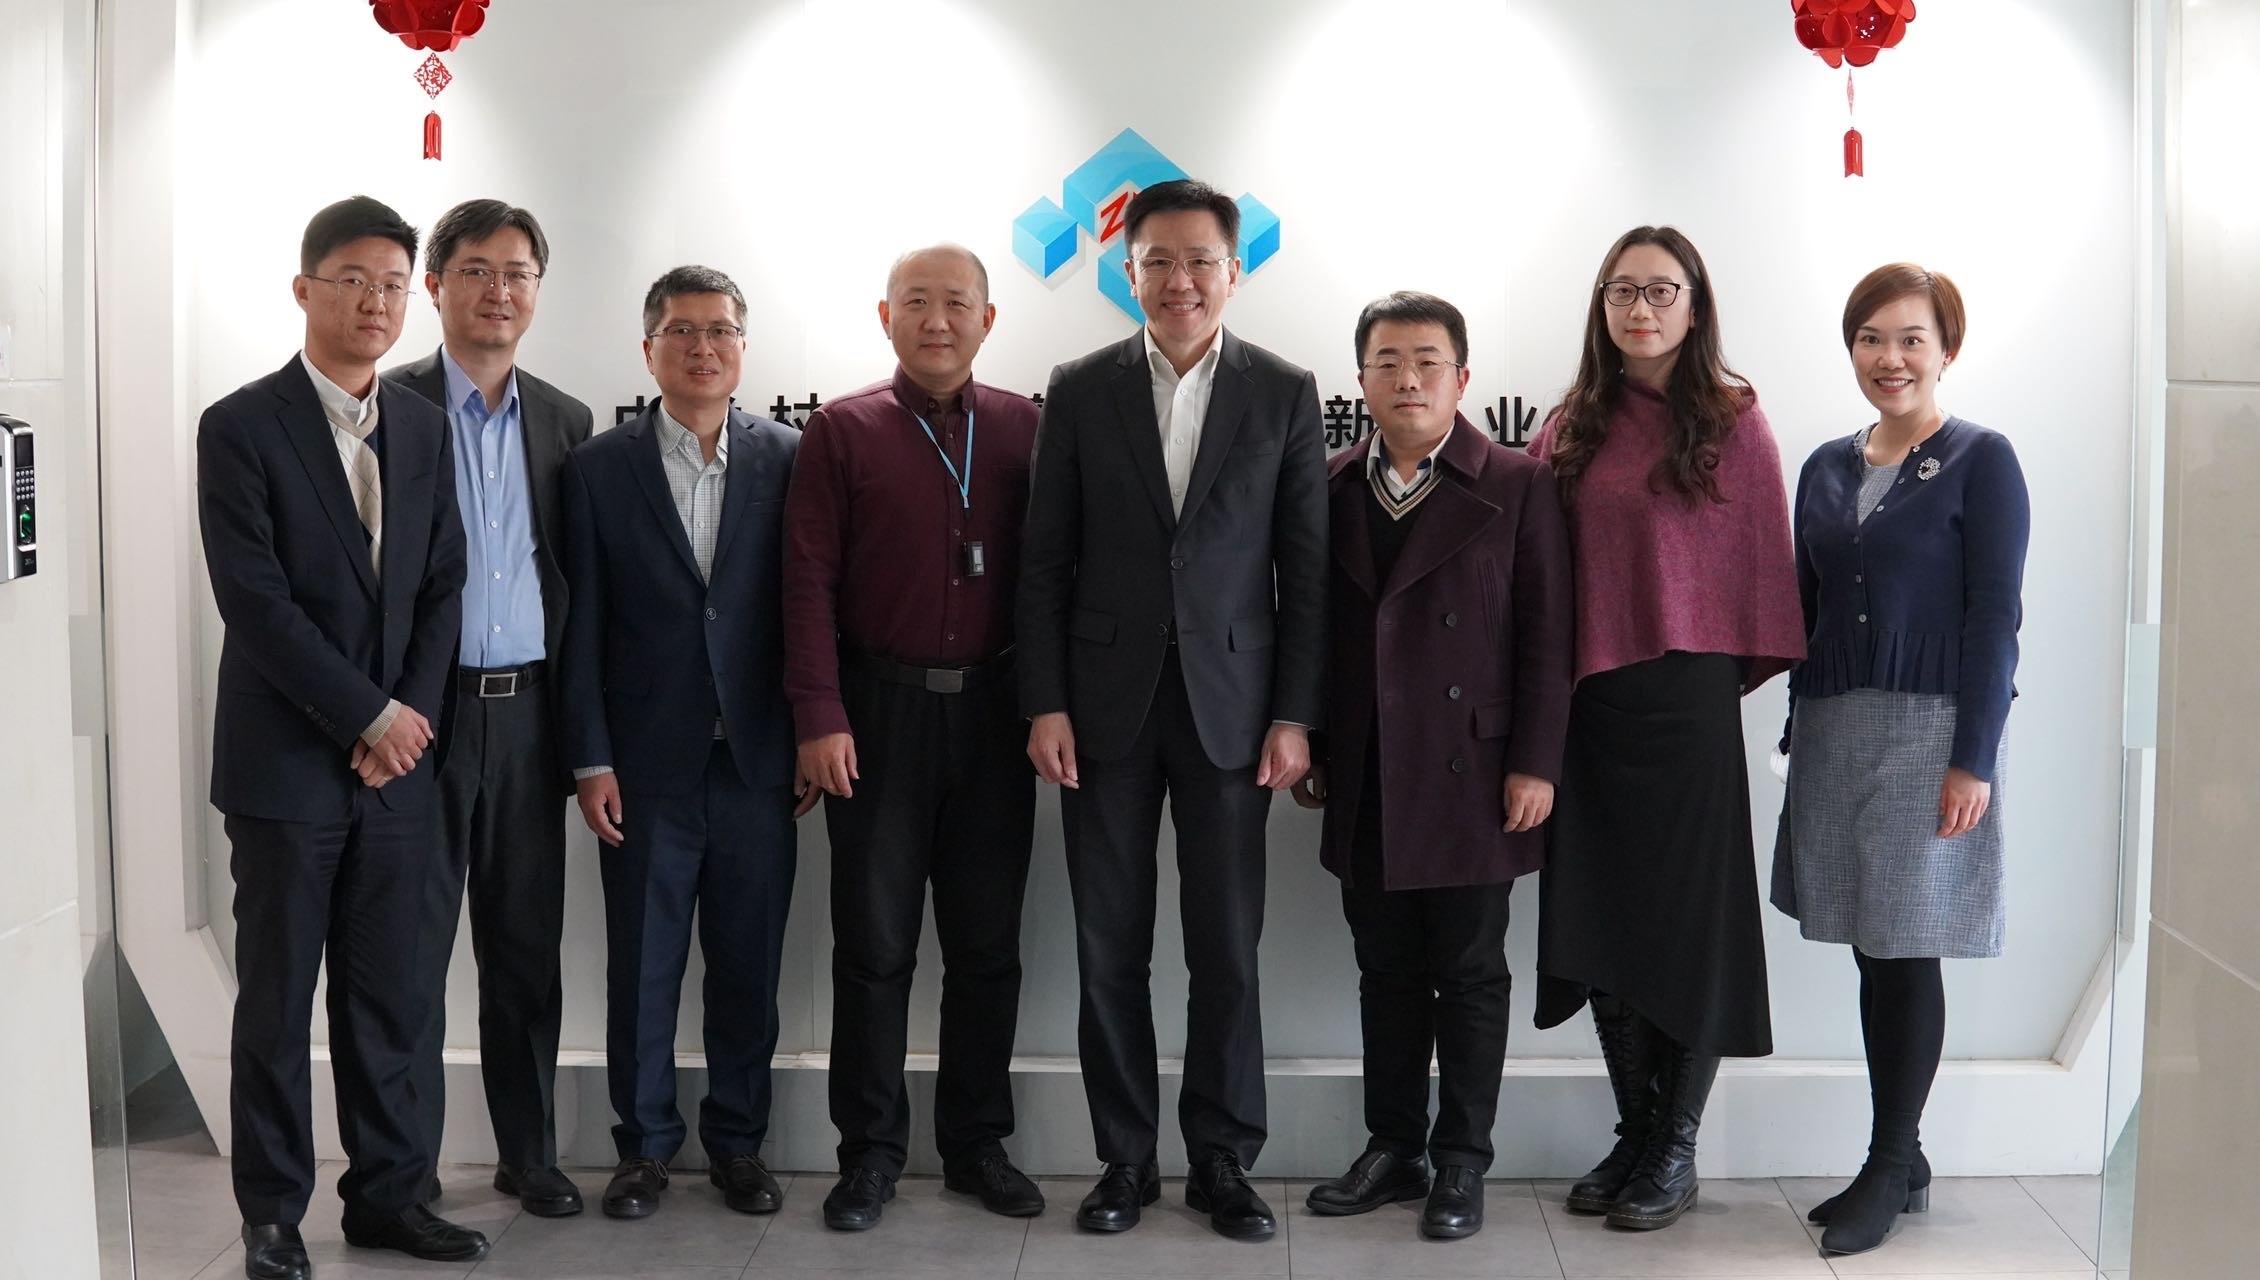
[1903, 1024]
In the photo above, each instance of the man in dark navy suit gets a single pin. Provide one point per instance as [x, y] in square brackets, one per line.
[675, 725]
[327, 502]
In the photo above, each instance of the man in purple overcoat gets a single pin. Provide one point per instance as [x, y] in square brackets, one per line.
[1450, 685]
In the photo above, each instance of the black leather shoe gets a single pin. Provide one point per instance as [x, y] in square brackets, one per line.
[857, 1200]
[419, 1233]
[1122, 1191]
[1377, 1178]
[1663, 1184]
[1918, 1179]
[1628, 1047]
[746, 1185]
[1218, 1187]
[1455, 1204]
[275, 1252]
[1002, 1188]
[544, 1193]
[635, 1187]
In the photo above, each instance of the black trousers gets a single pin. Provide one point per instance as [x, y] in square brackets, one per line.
[726, 852]
[1432, 977]
[946, 795]
[502, 806]
[1112, 823]
[352, 891]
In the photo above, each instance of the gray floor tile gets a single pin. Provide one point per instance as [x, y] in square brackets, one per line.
[1170, 1241]
[1737, 1228]
[2087, 1273]
[693, 1228]
[162, 1262]
[539, 1270]
[925, 1231]
[1387, 1241]
[338, 1261]
[183, 1202]
[2076, 1204]
[1975, 1225]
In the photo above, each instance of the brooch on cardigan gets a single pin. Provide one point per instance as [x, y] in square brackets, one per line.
[1930, 467]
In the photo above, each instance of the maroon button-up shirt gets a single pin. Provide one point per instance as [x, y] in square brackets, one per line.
[875, 536]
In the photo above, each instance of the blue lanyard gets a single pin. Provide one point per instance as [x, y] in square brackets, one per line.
[965, 478]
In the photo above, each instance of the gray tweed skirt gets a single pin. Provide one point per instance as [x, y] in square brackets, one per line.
[1857, 858]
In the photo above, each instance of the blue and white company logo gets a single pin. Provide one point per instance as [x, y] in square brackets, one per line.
[1048, 236]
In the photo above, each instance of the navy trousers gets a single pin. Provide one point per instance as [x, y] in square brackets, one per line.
[724, 852]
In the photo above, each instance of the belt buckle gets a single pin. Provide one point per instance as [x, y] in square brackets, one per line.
[939, 680]
[498, 684]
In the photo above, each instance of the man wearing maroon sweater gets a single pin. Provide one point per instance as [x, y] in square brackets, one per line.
[902, 551]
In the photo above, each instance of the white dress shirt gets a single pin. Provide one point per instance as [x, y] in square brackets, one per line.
[1181, 407]
[344, 410]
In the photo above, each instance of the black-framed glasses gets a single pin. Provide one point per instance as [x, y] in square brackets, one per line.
[686, 336]
[1198, 268]
[1427, 368]
[484, 278]
[1661, 293]
[391, 295]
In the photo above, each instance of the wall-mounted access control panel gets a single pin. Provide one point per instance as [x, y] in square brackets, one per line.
[20, 491]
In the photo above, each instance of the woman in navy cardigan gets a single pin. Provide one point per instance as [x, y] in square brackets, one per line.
[1910, 540]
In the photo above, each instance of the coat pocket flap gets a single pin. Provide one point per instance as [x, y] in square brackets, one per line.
[1493, 719]
[1091, 625]
[1252, 632]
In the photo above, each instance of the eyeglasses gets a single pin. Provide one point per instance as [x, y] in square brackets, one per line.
[484, 278]
[1662, 293]
[1198, 268]
[391, 294]
[1426, 369]
[686, 336]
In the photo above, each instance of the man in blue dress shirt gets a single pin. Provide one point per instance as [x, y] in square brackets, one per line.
[502, 787]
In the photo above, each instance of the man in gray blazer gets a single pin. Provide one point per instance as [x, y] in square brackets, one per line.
[502, 786]
[1171, 625]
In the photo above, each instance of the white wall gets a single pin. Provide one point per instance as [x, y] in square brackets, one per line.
[1488, 151]
[47, 1189]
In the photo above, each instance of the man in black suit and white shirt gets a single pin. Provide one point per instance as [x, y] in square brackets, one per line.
[327, 503]
[1171, 626]
[503, 790]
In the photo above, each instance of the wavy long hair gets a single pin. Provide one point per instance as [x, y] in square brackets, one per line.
[1704, 395]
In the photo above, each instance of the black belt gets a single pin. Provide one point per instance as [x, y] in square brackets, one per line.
[931, 679]
[498, 682]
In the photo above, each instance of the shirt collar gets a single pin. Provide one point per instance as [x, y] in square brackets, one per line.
[1164, 371]
[1378, 459]
[339, 403]
[919, 402]
[674, 437]
[463, 395]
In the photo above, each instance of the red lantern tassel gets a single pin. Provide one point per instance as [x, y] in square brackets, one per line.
[431, 135]
[1855, 158]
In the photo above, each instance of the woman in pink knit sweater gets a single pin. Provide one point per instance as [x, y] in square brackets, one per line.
[1687, 599]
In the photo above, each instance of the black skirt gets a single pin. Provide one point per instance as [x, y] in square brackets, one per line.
[1651, 886]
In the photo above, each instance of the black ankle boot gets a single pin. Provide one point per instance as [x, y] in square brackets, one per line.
[1663, 1184]
[1918, 1179]
[1864, 1215]
[1628, 1047]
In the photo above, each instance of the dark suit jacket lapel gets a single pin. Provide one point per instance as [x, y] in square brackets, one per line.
[544, 432]
[308, 430]
[407, 508]
[737, 487]
[1353, 543]
[651, 477]
[1451, 515]
[1228, 400]
[1134, 402]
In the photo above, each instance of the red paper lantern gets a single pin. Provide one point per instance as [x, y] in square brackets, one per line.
[437, 25]
[1851, 33]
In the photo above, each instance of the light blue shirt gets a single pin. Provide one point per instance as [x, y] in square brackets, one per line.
[503, 625]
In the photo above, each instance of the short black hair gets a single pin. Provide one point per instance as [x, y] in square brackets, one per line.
[1179, 195]
[683, 281]
[476, 220]
[351, 219]
[1407, 307]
